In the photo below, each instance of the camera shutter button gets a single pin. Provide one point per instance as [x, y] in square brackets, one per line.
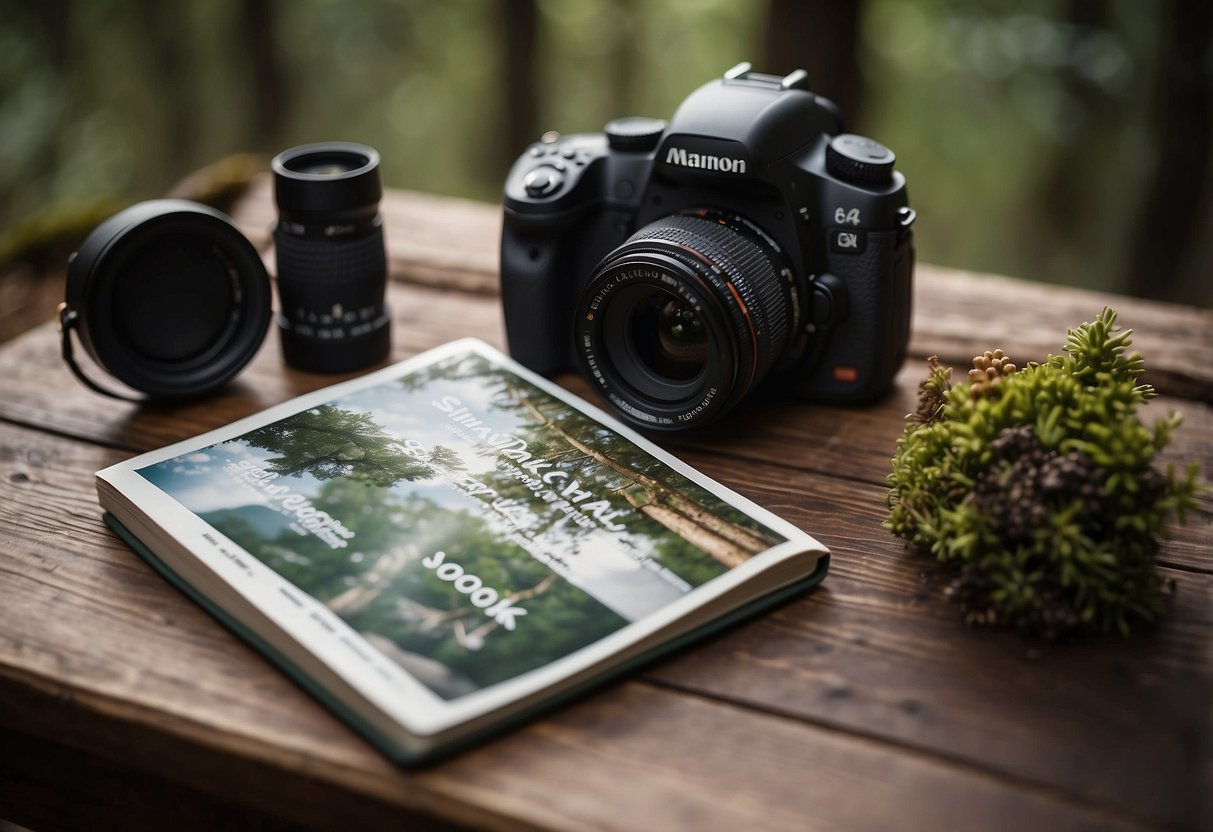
[542, 181]
[859, 160]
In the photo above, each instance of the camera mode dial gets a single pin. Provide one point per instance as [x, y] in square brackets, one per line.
[859, 160]
[635, 134]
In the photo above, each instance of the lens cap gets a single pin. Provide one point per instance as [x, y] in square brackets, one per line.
[168, 297]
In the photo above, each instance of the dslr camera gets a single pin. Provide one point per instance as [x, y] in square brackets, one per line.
[749, 241]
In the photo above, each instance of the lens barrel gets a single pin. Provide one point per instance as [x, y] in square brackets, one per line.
[331, 261]
[680, 322]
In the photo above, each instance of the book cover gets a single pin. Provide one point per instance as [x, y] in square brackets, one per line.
[447, 541]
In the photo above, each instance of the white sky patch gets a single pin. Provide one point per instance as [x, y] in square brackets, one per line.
[412, 416]
[616, 579]
[198, 480]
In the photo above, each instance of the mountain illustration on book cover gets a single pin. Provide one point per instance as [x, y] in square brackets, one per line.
[469, 525]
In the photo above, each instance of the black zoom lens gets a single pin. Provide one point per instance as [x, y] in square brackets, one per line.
[680, 322]
[332, 268]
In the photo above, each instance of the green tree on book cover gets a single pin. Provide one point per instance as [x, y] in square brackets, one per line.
[700, 521]
[328, 442]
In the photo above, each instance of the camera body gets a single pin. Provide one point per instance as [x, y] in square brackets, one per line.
[761, 154]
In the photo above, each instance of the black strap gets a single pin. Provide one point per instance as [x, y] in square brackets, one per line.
[66, 321]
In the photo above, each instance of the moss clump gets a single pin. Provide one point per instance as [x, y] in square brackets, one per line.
[1037, 487]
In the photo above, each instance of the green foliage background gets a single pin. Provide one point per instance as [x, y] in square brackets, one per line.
[1027, 139]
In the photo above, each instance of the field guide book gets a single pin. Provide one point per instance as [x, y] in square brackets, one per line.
[449, 545]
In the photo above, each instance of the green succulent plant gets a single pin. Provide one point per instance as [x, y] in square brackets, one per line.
[1036, 487]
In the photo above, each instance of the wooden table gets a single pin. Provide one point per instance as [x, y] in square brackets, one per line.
[863, 705]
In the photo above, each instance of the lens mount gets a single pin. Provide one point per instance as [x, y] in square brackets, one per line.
[169, 297]
[679, 323]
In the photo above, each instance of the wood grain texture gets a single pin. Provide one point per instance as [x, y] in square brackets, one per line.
[453, 244]
[879, 649]
[854, 442]
[875, 653]
[863, 705]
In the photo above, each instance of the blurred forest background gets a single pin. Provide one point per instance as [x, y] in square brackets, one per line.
[1060, 140]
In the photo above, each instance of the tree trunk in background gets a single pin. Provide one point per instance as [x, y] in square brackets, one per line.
[1174, 213]
[54, 21]
[166, 39]
[519, 23]
[625, 52]
[267, 101]
[54, 16]
[821, 37]
[1091, 111]
[1064, 216]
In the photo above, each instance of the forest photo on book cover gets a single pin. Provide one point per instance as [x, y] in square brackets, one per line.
[469, 525]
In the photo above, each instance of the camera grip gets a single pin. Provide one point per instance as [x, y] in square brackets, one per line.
[861, 338]
[536, 311]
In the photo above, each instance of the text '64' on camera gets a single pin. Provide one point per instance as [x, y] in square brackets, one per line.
[680, 264]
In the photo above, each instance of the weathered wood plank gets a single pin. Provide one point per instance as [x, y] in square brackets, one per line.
[869, 686]
[959, 314]
[853, 442]
[956, 314]
[50, 787]
[879, 649]
[634, 757]
[876, 654]
[452, 245]
[848, 442]
[857, 444]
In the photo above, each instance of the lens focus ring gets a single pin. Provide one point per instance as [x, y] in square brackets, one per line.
[333, 317]
[350, 264]
[683, 319]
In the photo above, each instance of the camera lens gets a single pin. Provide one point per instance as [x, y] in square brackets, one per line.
[680, 322]
[669, 336]
[332, 267]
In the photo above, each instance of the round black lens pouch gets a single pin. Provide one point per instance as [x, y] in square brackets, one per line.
[168, 297]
